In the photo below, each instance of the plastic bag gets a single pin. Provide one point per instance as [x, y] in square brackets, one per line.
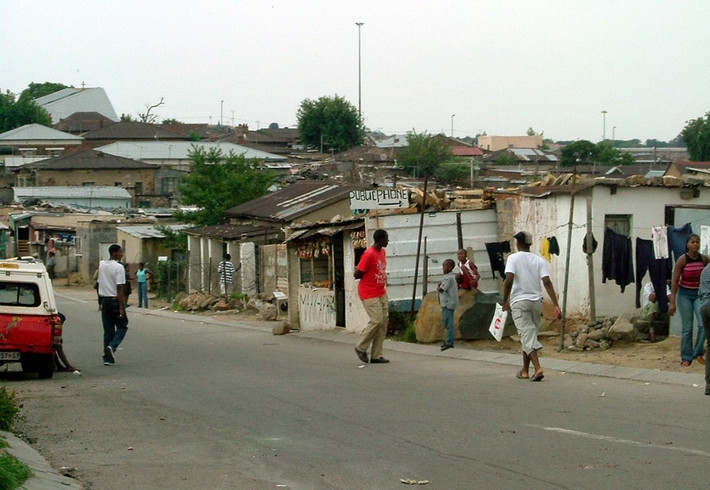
[498, 323]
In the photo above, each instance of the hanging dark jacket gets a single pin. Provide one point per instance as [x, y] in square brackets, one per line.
[617, 259]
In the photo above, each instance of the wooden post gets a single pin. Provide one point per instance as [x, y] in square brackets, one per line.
[590, 262]
[419, 247]
[569, 249]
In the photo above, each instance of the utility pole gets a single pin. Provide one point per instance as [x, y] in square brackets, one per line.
[359, 71]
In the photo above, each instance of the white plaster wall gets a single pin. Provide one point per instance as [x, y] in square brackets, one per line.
[247, 252]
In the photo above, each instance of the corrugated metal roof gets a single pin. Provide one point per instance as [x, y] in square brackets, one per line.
[149, 231]
[292, 201]
[232, 232]
[87, 159]
[88, 192]
[36, 132]
[178, 150]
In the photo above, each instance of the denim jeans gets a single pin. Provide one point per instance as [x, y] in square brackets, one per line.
[447, 314]
[705, 314]
[115, 327]
[143, 294]
[688, 304]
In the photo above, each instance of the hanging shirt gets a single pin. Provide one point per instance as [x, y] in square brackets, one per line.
[545, 249]
[659, 236]
[617, 262]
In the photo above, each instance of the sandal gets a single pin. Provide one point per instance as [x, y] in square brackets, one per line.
[685, 363]
[519, 375]
[701, 360]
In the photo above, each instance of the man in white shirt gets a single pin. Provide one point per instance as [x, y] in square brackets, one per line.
[112, 281]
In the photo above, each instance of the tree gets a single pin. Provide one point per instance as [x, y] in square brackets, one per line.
[24, 110]
[330, 122]
[219, 182]
[425, 153]
[37, 90]
[454, 173]
[588, 153]
[172, 121]
[147, 117]
[696, 135]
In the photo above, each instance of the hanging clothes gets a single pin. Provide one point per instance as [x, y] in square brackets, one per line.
[659, 236]
[657, 270]
[705, 239]
[495, 255]
[617, 262]
[554, 246]
[677, 238]
[545, 249]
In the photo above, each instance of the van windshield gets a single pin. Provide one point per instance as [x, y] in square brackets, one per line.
[19, 294]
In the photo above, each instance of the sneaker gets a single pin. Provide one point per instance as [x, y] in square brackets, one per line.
[106, 363]
[108, 354]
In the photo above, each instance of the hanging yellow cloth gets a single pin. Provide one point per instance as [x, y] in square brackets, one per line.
[545, 249]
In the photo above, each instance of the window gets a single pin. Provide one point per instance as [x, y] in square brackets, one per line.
[139, 188]
[19, 294]
[316, 271]
[88, 184]
[620, 223]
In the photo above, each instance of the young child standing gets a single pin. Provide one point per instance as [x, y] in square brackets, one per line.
[449, 299]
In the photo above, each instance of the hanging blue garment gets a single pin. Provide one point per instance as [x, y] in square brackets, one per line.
[617, 261]
[677, 238]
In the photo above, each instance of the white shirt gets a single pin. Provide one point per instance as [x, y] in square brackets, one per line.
[529, 269]
[111, 273]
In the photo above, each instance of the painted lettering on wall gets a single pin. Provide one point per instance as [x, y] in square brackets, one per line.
[316, 308]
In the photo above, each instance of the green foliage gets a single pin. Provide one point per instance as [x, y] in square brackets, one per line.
[424, 152]
[172, 121]
[505, 159]
[24, 110]
[453, 173]
[174, 240]
[13, 473]
[219, 182]
[696, 135]
[332, 122]
[170, 278]
[37, 90]
[127, 118]
[9, 408]
[588, 153]
[193, 136]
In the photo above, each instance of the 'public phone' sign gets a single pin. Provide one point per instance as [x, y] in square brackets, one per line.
[379, 199]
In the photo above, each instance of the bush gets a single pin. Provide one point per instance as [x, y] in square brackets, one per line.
[9, 408]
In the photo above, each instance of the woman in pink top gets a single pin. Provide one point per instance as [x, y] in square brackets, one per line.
[684, 297]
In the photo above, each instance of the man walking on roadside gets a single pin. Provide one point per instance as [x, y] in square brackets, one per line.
[225, 269]
[522, 295]
[112, 281]
[372, 289]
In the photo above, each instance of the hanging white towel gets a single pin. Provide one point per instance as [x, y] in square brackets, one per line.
[705, 239]
[659, 235]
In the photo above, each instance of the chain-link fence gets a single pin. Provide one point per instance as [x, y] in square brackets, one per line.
[170, 278]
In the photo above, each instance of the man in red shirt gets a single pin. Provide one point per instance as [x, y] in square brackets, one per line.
[372, 272]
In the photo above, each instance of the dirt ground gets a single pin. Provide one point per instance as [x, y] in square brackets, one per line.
[663, 355]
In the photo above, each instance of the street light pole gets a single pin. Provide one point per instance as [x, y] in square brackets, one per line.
[613, 136]
[221, 111]
[359, 71]
[452, 125]
[604, 129]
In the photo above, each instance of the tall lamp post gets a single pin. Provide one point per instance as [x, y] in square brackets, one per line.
[613, 136]
[452, 125]
[359, 71]
[604, 128]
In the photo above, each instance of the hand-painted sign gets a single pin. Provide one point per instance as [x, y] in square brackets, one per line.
[379, 199]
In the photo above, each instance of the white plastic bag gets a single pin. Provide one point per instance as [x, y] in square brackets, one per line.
[498, 323]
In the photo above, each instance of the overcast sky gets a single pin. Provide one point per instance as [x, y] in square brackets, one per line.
[499, 66]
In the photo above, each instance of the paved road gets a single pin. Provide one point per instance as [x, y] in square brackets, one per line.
[197, 403]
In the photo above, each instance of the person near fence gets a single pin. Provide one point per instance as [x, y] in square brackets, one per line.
[449, 299]
[142, 277]
[225, 269]
[522, 295]
[112, 283]
[51, 264]
[468, 276]
[372, 289]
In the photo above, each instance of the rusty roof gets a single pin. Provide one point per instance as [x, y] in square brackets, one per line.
[292, 201]
[232, 232]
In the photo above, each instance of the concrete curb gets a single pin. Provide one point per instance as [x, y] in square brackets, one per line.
[45, 477]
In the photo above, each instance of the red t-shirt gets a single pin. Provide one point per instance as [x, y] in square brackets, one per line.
[373, 265]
